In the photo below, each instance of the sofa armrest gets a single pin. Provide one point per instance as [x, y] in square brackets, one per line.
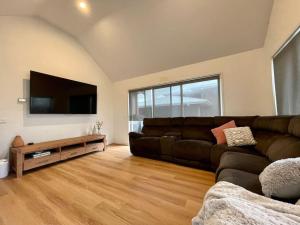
[135, 135]
[166, 143]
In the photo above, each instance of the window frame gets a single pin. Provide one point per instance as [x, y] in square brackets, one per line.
[281, 48]
[178, 83]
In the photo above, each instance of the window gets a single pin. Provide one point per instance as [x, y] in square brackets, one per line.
[199, 97]
[286, 67]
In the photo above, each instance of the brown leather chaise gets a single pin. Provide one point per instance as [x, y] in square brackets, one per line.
[189, 141]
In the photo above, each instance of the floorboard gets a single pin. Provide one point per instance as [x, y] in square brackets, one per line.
[105, 188]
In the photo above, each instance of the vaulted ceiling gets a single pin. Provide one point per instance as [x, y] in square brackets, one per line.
[129, 38]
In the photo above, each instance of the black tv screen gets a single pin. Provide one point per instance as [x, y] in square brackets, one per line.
[54, 95]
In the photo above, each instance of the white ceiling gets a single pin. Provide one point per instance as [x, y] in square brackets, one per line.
[129, 38]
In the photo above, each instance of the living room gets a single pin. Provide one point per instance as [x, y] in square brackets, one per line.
[165, 81]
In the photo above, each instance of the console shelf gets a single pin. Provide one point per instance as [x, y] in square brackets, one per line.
[22, 158]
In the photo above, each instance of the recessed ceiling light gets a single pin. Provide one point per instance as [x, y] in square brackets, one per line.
[82, 5]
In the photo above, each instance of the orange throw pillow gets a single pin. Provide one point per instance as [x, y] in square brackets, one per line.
[219, 133]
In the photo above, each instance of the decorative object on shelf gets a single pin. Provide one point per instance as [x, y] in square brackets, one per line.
[17, 142]
[97, 127]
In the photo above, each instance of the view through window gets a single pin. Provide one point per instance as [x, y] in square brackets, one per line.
[199, 97]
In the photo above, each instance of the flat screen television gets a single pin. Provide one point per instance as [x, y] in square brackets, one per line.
[54, 95]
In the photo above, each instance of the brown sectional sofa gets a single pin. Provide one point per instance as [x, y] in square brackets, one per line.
[189, 141]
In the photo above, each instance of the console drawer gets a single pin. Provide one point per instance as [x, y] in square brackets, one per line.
[33, 163]
[67, 154]
[94, 147]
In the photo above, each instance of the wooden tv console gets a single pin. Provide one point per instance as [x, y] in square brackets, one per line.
[22, 160]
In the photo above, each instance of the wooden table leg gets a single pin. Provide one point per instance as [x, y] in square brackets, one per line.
[105, 143]
[19, 164]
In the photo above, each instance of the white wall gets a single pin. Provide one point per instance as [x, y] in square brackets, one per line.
[246, 77]
[243, 83]
[31, 44]
[28, 43]
[285, 19]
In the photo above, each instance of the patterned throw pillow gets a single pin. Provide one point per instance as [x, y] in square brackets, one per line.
[219, 132]
[239, 136]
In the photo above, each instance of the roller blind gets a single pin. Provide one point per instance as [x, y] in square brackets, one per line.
[200, 97]
[286, 66]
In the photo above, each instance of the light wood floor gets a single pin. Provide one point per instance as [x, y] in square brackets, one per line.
[107, 188]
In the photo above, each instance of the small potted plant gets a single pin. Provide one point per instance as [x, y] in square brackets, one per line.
[98, 126]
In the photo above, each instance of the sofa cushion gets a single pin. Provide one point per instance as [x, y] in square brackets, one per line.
[154, 131]
[268, 129]
[218, 150]
[294, 126]
[199, 121]
[192, 150]
[242, 161]
[198, 128]
[176, 124]
[264, 139]
[278, 124]
[157, 122]
[177, 121]
[247, 180]
[147, 146]
[283, 148]
[240, 121]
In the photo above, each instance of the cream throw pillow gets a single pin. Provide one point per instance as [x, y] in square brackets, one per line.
[282, 179]
[239, 136]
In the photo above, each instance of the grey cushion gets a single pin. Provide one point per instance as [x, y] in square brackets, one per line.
[241, 161]
[244, 179]
[218, 150]
[282, 179]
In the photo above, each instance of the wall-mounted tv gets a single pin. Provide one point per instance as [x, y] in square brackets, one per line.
[54, 95]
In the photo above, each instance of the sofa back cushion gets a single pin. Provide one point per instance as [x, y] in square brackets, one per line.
[294, 126]
[264, 139]
[157, 122]
[176, 126]
[278, 124]
[283, 148]
[156, 127]
[198, 128]
[268, 129]
[240, 121]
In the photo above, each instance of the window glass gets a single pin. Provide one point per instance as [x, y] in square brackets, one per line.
[136, 110]
[201, 98]
[162, 102]
[149, 103]
[176, 101]
[193, 98]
